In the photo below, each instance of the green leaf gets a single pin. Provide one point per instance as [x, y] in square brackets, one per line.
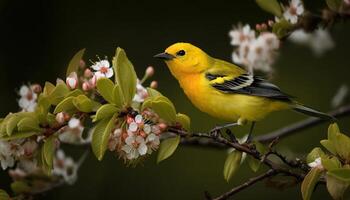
[28, 124]
[74, 93]
[329, 146]
[58, 94]
[105, 88]
[342, 146]
[65, 105]
[48, 88]
[74, 62]
[19, 187]
[125, 75]
[341, 174]
[19, 135]
[48, 151]
[330, 163]
[253, 163]
[232, 163]
[184, 120]
[334, 5]
[13, 119]
[309, 183]
[281, 28]
[101, 135]
[153, 93]
[162, 106]
[4, 195]
[333, 131]
[105, 111]
[12, 123]
[167, 148]
[315, 153]
[262, 149]
[83, 103]
[271, 6]
[118, 97]
[42, 108]
[336, 187]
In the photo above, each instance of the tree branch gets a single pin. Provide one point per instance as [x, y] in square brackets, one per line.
[268, 137]
[250, 182]
[302, 125]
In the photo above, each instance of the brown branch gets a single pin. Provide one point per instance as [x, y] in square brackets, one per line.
[302, 125]
[268, 137]
[250, 150]
[250, 182]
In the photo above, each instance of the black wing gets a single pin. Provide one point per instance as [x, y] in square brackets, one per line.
[247, 84]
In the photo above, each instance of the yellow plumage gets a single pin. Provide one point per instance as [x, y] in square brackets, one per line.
[212, 85]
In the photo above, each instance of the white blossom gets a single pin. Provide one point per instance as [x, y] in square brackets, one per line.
[241, 34]
[102, 69]
[73, 132]
[138, 119]
[340, 96]
[65, 167]
[28, 100]
[133, 127]
[114, 139]
[141, 93]
[257, 54]
[6, 157]
[134, 147]
[295, 9]
[153, 142]
[320, 41]
[317, 163]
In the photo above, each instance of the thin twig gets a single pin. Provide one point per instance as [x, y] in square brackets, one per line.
[302, 125]
[250, 182]
[268, 137]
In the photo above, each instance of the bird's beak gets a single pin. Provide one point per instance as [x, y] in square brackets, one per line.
[164, 56]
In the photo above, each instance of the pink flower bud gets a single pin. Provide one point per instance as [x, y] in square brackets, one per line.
[162, 126]
[60, 118]
[154, 84]
[86, 86]
[36, 88]
[143, 134]
[59, 81]
[124, 135]
[29, 148]
[72, 81]
[258, 27]
[88, 73]
[149, 71]
[129, 120]
[270, 23]
[93, 81]
[263, 26]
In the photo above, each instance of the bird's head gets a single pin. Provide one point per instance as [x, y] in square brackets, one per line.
[185, 58]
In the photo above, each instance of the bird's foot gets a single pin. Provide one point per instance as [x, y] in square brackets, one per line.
[218, 128]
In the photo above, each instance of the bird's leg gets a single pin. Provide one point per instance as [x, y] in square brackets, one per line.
[218, 128]
[249, 139]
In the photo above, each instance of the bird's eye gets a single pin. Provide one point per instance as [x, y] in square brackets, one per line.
[180, 53]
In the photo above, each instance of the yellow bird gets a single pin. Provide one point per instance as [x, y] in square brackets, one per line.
[226, 91]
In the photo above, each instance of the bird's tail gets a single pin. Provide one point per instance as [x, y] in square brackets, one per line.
[314, 113]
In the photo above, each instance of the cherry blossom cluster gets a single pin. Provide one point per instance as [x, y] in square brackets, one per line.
[256, 53]
[28, 97]
[257, 49]
[139, 137]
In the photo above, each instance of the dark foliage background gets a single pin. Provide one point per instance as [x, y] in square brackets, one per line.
[38, 38]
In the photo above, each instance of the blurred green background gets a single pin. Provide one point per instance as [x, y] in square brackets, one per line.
[39, 37]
